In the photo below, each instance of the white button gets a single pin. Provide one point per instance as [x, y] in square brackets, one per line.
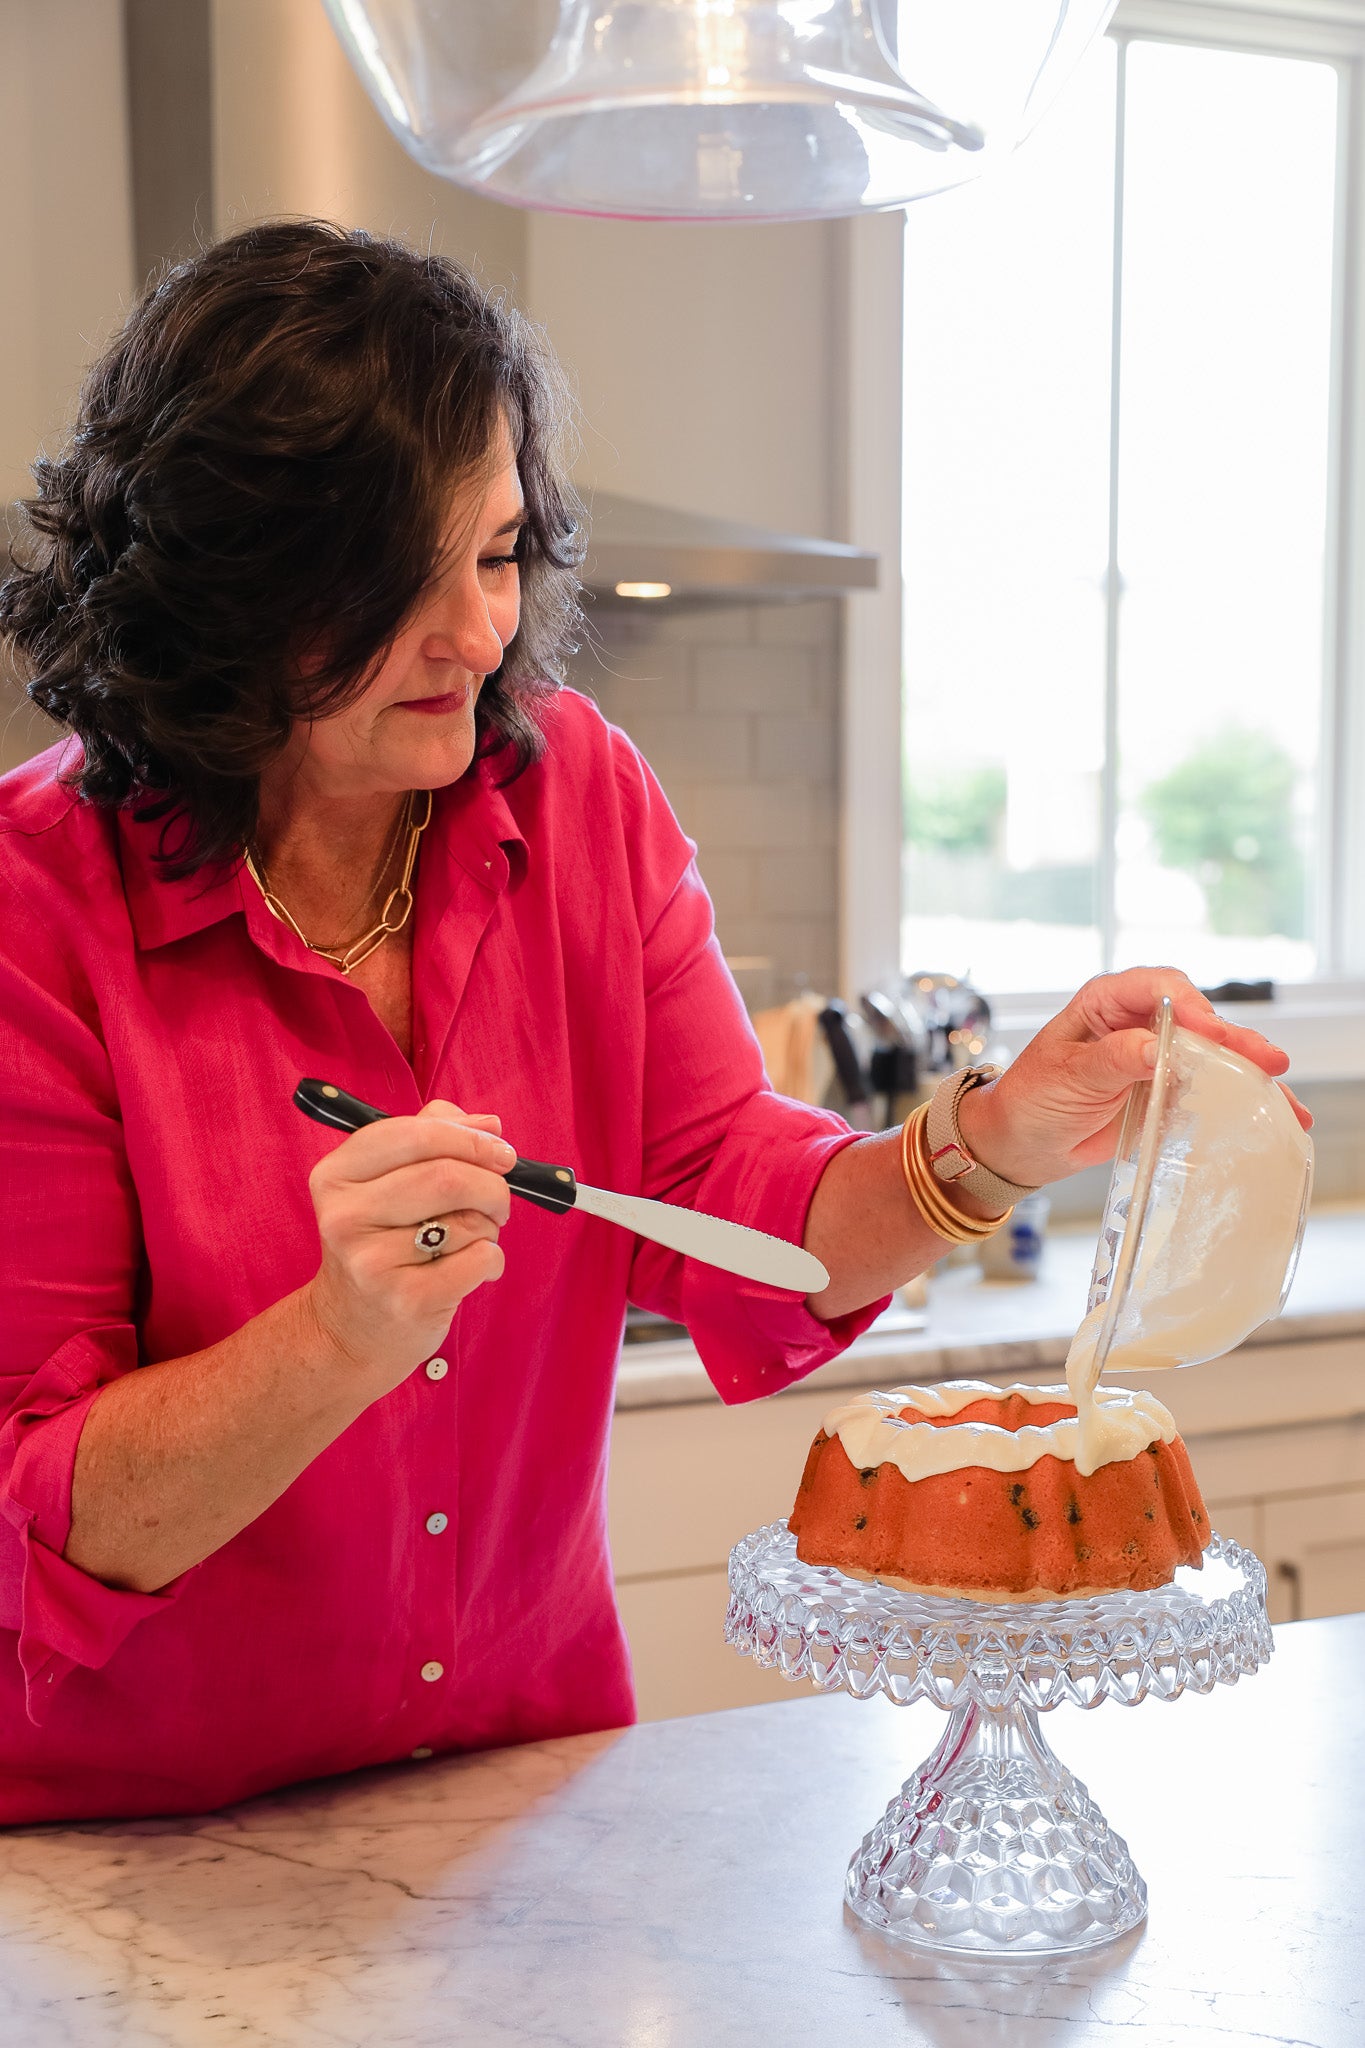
[437, 1368]
[420, 1755]
[436, 1523]
[431, 1672]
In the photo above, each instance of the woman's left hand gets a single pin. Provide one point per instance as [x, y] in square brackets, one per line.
[1059, 1106]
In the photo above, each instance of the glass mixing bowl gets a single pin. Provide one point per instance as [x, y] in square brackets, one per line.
[1205, 1212]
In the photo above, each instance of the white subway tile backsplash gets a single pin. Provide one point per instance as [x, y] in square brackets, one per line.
[1338, 1137]
[799, 881]
[701, 625]
[775, 679]
[730, 877]
[795, 749]
[807, 943]
[631, 679]
[810, 622]
[714, 749]
[758, 815]
[736, 710]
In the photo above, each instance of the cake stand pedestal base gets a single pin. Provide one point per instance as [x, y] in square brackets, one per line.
[993, 1845]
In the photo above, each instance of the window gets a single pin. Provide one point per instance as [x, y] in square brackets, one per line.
[1124, 712]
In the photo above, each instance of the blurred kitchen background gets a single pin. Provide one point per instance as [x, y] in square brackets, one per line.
[1012, 549]
[1089, 766]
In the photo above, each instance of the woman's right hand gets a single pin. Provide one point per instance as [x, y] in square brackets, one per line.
[383, 1304]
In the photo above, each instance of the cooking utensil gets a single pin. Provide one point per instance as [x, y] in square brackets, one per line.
[733, 1247]
[890, 1022]
[833, 1021]
[902, 1043]
[955, 1016]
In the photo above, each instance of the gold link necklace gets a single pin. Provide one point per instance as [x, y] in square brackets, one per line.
[397, 904]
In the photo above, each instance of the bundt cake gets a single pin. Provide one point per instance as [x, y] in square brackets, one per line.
[971, 1490]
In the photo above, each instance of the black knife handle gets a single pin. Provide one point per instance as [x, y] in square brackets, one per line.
[549, 1187]
[334, 1107]
[833, 1021]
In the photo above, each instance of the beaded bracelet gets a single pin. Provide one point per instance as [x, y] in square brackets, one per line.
[927, 1194]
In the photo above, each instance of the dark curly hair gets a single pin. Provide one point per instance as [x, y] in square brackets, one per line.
[262, 462]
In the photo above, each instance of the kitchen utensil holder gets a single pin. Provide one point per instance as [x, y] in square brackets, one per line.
[992, 1847]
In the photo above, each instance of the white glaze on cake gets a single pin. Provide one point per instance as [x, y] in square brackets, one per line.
[1119, 1426]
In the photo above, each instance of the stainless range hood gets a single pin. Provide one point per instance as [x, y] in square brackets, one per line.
[636, 550]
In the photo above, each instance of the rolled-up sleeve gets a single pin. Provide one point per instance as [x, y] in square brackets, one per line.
[69, 1264]
[61, 1616]
[716, 1136]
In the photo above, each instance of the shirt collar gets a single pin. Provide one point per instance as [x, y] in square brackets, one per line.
[162, 911]
[472, 825]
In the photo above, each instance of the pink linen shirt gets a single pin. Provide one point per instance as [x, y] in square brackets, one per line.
[439, 1577]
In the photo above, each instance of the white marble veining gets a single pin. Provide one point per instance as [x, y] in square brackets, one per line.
[978, 1327]
[678, 1885]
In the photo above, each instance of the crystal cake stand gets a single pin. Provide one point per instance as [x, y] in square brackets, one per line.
[992, 1847]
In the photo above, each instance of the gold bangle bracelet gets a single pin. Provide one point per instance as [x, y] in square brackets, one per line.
[934, 1205]
[942, 1212]
[958, 1229]
[942, 1219]
[939, 1201]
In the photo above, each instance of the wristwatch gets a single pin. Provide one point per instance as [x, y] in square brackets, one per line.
[949, 1158]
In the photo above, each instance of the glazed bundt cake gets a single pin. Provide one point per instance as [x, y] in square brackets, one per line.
[971, 1490]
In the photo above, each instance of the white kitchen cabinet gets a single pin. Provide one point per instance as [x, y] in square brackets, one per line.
[683, 1664]
[688, 1480]
[1239, 1519]
[686, 1484]
[1315, 1554]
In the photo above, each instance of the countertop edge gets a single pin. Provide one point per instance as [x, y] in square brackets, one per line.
[671, 1374]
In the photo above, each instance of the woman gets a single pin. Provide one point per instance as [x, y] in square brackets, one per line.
[301, 594]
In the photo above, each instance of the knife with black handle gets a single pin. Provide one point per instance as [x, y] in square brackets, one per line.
[734, 1247]
[833, 1021]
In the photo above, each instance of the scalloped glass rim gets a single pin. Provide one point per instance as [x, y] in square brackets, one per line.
[812, 1622]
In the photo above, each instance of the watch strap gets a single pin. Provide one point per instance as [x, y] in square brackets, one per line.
[949, 1159]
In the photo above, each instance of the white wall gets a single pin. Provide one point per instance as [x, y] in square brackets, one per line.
[66, 261]
[294, 133]
[704, 357]
[704, 361]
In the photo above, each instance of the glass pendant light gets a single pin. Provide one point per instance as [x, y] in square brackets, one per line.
[712, 109]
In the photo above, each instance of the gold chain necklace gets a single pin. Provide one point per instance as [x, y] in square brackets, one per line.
[400, 825]
[397, 904]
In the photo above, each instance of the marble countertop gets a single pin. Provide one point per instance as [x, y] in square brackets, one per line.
[976, 1329]
[678, 1885]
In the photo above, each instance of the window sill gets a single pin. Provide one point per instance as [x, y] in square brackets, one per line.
[1321, 1026]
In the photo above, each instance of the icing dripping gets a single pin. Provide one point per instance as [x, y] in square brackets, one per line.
[1111, 1426]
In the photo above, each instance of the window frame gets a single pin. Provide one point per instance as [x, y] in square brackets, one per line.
[1319, 1021]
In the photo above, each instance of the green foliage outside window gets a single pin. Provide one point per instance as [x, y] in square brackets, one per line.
[960, 813]
[954, 828]
[1226, 815]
